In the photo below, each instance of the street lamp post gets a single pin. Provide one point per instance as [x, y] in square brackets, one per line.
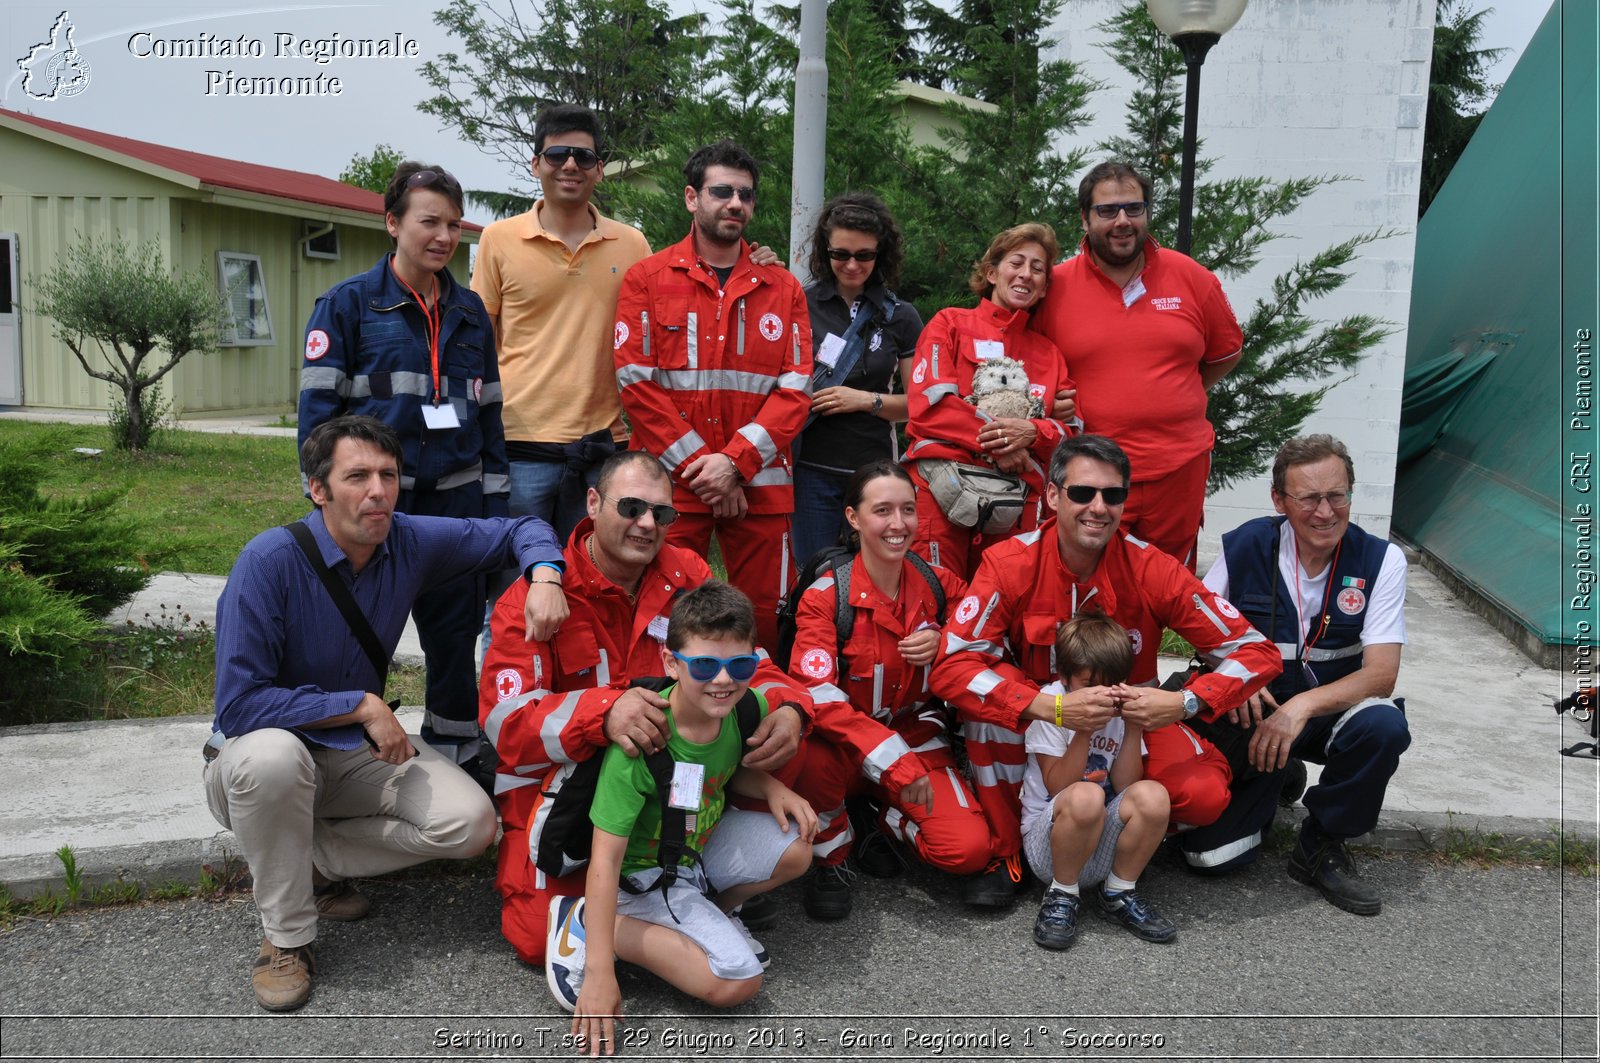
[1194, 26]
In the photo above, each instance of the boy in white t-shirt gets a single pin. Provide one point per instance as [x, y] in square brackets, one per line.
[1088, 815]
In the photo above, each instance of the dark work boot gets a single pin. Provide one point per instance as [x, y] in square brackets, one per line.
[1326, 864]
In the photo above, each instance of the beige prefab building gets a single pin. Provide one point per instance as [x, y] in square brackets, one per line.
[271, 239]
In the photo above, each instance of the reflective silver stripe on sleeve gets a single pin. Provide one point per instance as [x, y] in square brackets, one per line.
[794, 381]
[826, 694]
[630, 375]
[771, 476]
[504, 783]
[959, 787]
[984, 682]
[821, 583]
[490, 394]
[550, 732]
[496, 483]
[1200, 604]
[1224, 650]
[680, 451]
[992, 733]
[941, 391]
[883, 757]
[407, 483]
[954, 643]
[602, 670]
[761, 439]
[325, 378]
[502, 712]
[694, 340]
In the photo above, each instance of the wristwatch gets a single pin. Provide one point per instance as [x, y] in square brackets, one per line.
[877, 402]
[1191, 705]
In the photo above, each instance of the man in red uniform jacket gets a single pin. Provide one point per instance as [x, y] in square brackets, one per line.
[547, 705]
[713, 357]
[1146, 332]
[1000, 647]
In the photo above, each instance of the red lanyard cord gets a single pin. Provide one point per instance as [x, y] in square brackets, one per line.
[1327, 594]
[431, 325]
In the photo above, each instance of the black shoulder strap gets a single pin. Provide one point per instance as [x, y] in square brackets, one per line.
[844, 614]
[933, 583]
[747, 713]
[360, 626]
[674, 821]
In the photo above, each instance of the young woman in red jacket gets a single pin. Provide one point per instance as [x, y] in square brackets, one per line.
[877, 730]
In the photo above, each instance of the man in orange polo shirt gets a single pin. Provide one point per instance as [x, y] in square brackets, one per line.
[549, 279]
[1146, 332]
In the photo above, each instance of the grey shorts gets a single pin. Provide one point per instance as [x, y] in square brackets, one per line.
[745, 847]
[1036, 845]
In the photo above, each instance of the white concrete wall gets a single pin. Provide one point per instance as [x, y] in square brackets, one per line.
[1303, 88]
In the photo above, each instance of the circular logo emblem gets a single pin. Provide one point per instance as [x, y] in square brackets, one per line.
[507, 683]
[919, 372]
[316, 344]
[816, 664]
[967, 609]
[1351, 601]
[1136, 637]
[771, 326]
[1036, 391]
[1226, 608]
[619, 335]
[877, 342]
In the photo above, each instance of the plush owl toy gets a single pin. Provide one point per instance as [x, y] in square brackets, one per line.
[1000, 389]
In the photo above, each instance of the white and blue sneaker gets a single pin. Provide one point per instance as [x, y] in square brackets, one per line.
[565, 950]
[762, 957]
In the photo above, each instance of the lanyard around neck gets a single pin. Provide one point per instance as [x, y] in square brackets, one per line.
[431, 319]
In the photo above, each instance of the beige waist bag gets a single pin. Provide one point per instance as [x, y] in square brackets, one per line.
[973, 496]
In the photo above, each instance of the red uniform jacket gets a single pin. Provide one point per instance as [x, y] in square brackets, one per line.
[868, 699]
[999, 646]
[704, 370]
[543, 704]
[953, 345]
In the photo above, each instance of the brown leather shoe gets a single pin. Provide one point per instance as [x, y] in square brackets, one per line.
[282, 977]
[340, 902]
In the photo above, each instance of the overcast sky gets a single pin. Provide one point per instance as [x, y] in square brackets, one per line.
[134, 91]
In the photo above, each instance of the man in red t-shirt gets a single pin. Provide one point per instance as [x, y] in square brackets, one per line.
[1146, 332]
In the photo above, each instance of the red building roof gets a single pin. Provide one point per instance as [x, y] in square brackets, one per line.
[224, 173]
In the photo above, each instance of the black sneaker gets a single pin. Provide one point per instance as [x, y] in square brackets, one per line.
[758, 913]
[1138, 915]
[1294, 782]
[997, 885]
[874, 852]
[1057, 924]
[828, 892]
[1326, 863]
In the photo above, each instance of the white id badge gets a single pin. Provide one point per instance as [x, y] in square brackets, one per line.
[832, 347]
[657, 629]
[986, 350]
[441, 416]
[687, 782]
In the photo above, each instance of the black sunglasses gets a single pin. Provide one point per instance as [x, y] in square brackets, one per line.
[1083, 494]
[839, 254]
[556, 157]
[1108, 211]
[745, 193]
[430, 178]
[633, 508]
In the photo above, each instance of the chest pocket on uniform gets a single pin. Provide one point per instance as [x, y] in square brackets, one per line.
[672, 327]
[578, 655]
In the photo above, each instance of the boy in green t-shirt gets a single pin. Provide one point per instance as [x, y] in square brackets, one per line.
[684, 933]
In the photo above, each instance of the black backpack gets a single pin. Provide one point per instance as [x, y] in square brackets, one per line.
[561, 846]
[837, 560]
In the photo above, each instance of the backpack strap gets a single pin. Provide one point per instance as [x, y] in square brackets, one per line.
[934, 585]
[844, 614]
[674, 821]
[360, 626]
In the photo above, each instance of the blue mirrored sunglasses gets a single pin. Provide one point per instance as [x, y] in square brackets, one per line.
[705, 669]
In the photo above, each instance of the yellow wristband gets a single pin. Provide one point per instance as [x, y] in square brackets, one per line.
[1058, 710]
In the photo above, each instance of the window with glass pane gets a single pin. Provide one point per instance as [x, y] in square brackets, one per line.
[244, 294]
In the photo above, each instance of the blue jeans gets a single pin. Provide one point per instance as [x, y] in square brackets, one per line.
[818, 510]
[536, 492]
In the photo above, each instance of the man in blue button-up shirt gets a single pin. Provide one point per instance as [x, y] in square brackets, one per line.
[308, 766]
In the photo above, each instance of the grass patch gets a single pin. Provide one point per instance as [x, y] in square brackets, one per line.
[1175, 645]
[167, 668]
[1459, 846]
[198, 496]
